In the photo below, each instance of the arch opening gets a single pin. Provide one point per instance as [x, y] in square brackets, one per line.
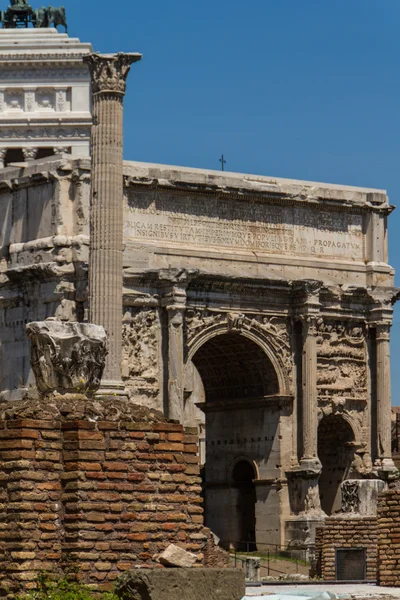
[235, 383]
[336, 452]
[233, 367]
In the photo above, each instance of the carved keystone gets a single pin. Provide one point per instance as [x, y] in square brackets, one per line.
[67, 357]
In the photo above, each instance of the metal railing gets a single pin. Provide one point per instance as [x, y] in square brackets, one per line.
[261, 560]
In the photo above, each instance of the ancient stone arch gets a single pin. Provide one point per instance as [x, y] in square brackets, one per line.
[272, 339]
[336, 451]
[247, 459]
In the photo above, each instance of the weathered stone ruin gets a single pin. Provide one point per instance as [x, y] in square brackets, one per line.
[93, 485]
[255, 311]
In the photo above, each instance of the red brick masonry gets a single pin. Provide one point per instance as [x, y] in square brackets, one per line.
[99, 496]
[389, 538]
[344, 531]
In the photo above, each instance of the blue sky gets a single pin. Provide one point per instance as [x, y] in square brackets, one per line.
[306, 89]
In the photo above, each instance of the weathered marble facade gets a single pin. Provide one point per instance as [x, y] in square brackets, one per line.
[45, 105]
[257, 309]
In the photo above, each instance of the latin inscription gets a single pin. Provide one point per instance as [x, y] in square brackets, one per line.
[233, 224]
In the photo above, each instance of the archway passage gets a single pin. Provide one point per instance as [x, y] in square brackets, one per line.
[243, 477]
[336, 453]
[242, 415]
[233, 367]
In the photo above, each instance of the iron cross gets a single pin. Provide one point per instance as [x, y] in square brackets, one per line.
[223, 162]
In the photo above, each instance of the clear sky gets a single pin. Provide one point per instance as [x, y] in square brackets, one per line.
[305, 89]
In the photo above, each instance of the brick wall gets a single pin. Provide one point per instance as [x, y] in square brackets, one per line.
[345, 532]
[95, 492]
[389, 538]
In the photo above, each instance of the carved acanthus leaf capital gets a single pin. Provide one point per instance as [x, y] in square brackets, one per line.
[383, 331]
[67, 357]
[310, 288]
[310, 325]
[175, 276]
[109, 71]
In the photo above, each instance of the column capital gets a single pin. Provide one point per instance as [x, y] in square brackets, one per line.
[310, 324]
[306, 297]
[308, 288]
[383, 331]
[29, 153]
[175, 299]
[109, 71]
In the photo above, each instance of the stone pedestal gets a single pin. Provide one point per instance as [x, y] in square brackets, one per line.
[360, 496]
[109, 73]
[305, 505]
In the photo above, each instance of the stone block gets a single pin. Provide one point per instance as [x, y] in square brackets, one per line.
[174, 556]
[67, 357]
[182, 584]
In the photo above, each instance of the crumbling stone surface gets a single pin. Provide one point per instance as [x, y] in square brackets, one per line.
[71, 407]
[174, 556]
[185, 584]
[214, 555]
[67, 356]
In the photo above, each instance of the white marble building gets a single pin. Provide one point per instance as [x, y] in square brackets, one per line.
[45, 105]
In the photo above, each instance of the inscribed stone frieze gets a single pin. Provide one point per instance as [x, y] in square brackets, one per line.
[211, 222]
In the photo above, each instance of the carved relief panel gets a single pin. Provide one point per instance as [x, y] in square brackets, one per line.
[14, 100]
[342, 361]
[45, 99]
[140, 354]
[342, 376]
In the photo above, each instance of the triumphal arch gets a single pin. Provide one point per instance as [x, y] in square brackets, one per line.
[256, 309]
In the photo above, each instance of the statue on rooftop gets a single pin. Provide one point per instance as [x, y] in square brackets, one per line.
[21, 15]
[19, 4]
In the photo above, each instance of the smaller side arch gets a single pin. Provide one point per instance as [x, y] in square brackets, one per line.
[251, 462]
[336, 451]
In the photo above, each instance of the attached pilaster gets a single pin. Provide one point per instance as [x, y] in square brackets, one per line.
[176, 306]
[108, 75]
[303, 478]
[381, 316]
[383, 394]
[174, 283]
[307, 309]
[310, 395]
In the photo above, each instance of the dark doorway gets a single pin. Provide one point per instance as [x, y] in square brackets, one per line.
[243, 476]
[336, 453]
[239, 383]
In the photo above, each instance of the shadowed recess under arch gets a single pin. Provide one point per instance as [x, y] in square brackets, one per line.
[336, 453]
[231, 367]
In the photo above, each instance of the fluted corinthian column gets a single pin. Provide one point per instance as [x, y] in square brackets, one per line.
[108, 74]
[310, 396]
[383, 394]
